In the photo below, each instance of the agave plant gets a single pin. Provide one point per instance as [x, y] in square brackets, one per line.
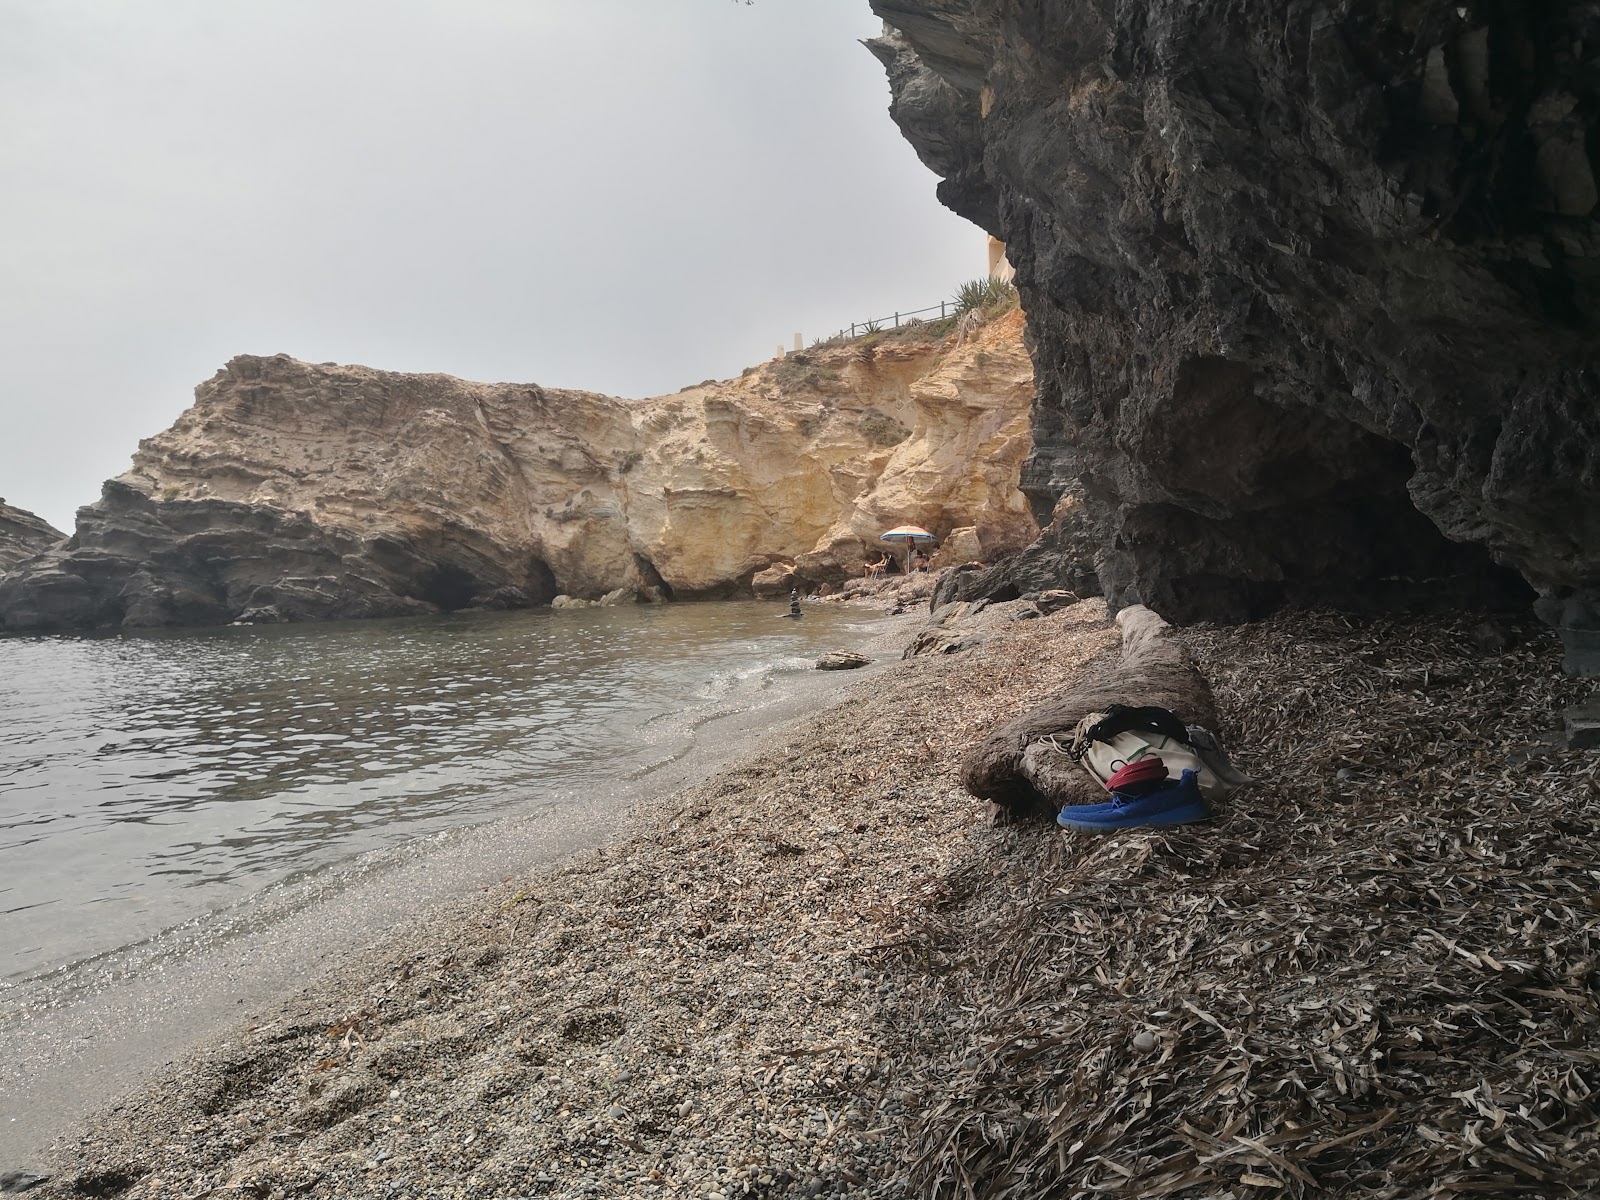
[982, 294]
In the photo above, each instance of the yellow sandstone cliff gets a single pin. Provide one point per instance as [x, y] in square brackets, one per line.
[294, 491]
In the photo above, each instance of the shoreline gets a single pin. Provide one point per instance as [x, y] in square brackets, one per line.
[135, 1011]
[820, 972]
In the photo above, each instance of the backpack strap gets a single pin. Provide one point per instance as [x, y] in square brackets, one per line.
[1147, 718]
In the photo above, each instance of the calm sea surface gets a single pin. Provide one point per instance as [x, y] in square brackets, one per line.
[147, 780]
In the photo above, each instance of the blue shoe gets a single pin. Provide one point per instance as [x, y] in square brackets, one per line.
[1177, 804]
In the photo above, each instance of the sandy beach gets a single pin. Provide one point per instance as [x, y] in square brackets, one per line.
[822, 972]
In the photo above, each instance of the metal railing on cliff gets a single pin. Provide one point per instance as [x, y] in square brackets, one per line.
[945, 308]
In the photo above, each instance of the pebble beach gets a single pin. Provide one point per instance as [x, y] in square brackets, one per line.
[824, 972]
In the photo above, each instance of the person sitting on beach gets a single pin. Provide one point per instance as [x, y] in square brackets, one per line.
[920, 563]
[874, 569]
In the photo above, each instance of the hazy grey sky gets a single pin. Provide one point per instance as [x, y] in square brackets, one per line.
[625, 196]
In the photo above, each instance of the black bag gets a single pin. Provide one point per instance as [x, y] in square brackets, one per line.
[1148, 718]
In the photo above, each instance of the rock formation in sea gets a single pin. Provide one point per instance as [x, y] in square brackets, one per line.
[293, 491]
[1312, 285]
[23, 535]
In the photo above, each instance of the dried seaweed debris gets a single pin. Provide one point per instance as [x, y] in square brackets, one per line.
[1374, 976]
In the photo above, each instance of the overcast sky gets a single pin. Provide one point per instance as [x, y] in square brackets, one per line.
[626, 196]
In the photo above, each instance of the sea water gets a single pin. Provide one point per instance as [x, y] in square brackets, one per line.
[149, 780]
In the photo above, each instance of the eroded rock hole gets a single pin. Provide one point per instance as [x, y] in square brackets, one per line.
[650, 577]
[449, 586]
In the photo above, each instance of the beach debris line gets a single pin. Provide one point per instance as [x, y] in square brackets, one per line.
[1381, 984]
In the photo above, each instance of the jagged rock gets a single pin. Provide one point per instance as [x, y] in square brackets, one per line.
[968, 582]
[1022, 771]
[317, 491]
[955, 627]
[776, 581]
[1311, 286]
[23, 535]
[842, 660]
[14, 1183]
[139, 562]
[960, 546]
[1054, 600]
[941, 641]
[1062, 558]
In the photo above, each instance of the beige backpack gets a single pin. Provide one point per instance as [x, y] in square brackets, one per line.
[1103, 759]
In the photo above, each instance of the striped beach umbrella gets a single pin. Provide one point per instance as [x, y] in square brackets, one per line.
[907, 533]
[910, 537]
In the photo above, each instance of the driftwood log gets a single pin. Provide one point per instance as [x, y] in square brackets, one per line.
[1022, 773]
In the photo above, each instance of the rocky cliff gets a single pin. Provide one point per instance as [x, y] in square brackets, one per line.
[1312, 284]
[22, 535]
[292, 491]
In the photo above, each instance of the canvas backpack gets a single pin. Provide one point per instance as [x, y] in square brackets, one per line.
[1104, 743]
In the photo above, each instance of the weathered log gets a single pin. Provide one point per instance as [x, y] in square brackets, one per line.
[1022, 773]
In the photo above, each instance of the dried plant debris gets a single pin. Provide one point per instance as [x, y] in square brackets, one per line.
[1373, 975]
[822, 974]
[699, 1010]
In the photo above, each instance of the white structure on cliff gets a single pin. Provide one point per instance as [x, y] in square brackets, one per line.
[999, 265]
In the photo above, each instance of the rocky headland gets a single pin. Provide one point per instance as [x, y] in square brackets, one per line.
[297, 491]
[1313, 286]
[23, 535]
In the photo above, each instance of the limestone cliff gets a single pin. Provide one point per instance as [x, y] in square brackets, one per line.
[22, 535]
[292, 491]
[1312, 284]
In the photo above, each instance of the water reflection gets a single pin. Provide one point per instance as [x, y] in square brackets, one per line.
[146, 779]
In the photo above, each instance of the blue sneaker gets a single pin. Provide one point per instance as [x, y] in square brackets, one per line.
[1179, 803]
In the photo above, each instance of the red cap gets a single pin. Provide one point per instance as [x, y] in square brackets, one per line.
[1142, 770]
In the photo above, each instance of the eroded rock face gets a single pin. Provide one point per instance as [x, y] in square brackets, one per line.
[1312, 283]
[292, 491]
[23, 535]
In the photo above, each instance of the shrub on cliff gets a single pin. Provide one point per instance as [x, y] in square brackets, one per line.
[880, 429]
[988, 295]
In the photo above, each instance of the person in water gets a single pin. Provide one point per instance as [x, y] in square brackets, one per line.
[794, 603]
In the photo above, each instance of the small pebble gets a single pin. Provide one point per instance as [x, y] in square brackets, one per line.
[1144, 1041]
[615, 1112]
